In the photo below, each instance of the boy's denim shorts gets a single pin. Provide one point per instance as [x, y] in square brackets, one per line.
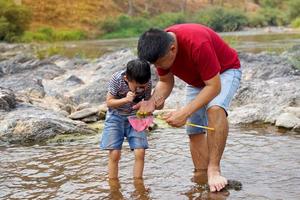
[116, 128]
[230, 81]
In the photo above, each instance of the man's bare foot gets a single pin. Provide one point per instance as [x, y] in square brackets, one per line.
[216, 182]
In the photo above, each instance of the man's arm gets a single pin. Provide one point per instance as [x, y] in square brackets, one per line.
[162, 90]
[211, 89]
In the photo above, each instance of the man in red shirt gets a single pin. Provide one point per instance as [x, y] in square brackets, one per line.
[211, 69]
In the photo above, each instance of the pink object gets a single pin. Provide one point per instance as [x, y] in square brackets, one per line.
[140, 124]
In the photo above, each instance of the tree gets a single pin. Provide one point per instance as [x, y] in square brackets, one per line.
[130, 7]
[14, 20]
[183, 5]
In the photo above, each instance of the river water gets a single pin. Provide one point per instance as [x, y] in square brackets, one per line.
[266, 163]
[265, 160]
[253, 41]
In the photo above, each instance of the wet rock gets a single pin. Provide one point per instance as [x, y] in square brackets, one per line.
[7, 99]
[269, 87]
[84, 113]
[73, 80]
[287, 120]
[26, 76]
[83, 106]
[58, 86]
[90, 119]
[31, 124]
[293, 110]
[101, 115]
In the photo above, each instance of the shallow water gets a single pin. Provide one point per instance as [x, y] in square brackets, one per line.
[267, 164]
[253, 41]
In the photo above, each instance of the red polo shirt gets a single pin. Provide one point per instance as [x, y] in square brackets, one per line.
[201, 54]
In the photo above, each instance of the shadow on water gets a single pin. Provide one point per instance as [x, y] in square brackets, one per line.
[140, 191]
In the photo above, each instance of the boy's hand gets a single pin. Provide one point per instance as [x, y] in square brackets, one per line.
[130, 96]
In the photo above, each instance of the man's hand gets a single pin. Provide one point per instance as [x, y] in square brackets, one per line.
[145, 106]
[130, 96]
[176, 118]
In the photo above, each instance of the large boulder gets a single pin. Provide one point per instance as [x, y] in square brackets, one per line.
[31, 124]
[270, 84]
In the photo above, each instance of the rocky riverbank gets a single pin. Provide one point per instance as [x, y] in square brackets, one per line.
[40, 99]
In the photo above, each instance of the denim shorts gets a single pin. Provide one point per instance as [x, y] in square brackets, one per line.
[230, 81]
[116, 128]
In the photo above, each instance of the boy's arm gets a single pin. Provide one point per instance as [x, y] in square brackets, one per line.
[112, 102]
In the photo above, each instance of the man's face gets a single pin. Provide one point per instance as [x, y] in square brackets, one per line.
[166, 61]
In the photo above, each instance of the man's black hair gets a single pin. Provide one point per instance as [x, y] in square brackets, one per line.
[138, 70]
[154, 44]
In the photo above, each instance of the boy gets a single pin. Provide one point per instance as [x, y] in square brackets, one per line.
[125, 89]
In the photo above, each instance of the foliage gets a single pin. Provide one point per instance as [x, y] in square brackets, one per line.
[221, 19]
[273, 16]
[126, 26]
[52, 50]
[14, 20]
[49, 35]
[296, 23]
[256, 20]
[293, 9]
[166, 19]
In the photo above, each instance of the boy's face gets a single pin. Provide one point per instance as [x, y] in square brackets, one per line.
[136, 87]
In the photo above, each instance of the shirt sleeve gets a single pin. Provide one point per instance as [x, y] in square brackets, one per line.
[113, 86]
[208, 62]
[148, 91]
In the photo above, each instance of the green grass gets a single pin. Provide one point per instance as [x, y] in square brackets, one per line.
[47, 34]
[296, 23]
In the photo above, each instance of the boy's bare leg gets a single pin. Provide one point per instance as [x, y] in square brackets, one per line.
[113, 163]
[216, 144]
[139, 163]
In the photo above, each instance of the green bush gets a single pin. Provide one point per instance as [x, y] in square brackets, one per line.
[293, 9]
[256, 20]
[273, 16]
[221, 19]
[167, 19]
[270, 3]
[14, 20]
[47, 34]
[296, 23]
[126, 26]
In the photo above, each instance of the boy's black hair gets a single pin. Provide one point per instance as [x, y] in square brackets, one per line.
[154, 44]
[138, 70]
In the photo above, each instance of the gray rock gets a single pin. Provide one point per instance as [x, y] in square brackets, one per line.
[90, 119]
[7, 99]
[83, 113]
[293, 110]
[82, 106]
[287, 120]
[31, 124]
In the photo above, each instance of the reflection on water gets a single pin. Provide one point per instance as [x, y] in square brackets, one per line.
[245, 41]
[268, 165]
